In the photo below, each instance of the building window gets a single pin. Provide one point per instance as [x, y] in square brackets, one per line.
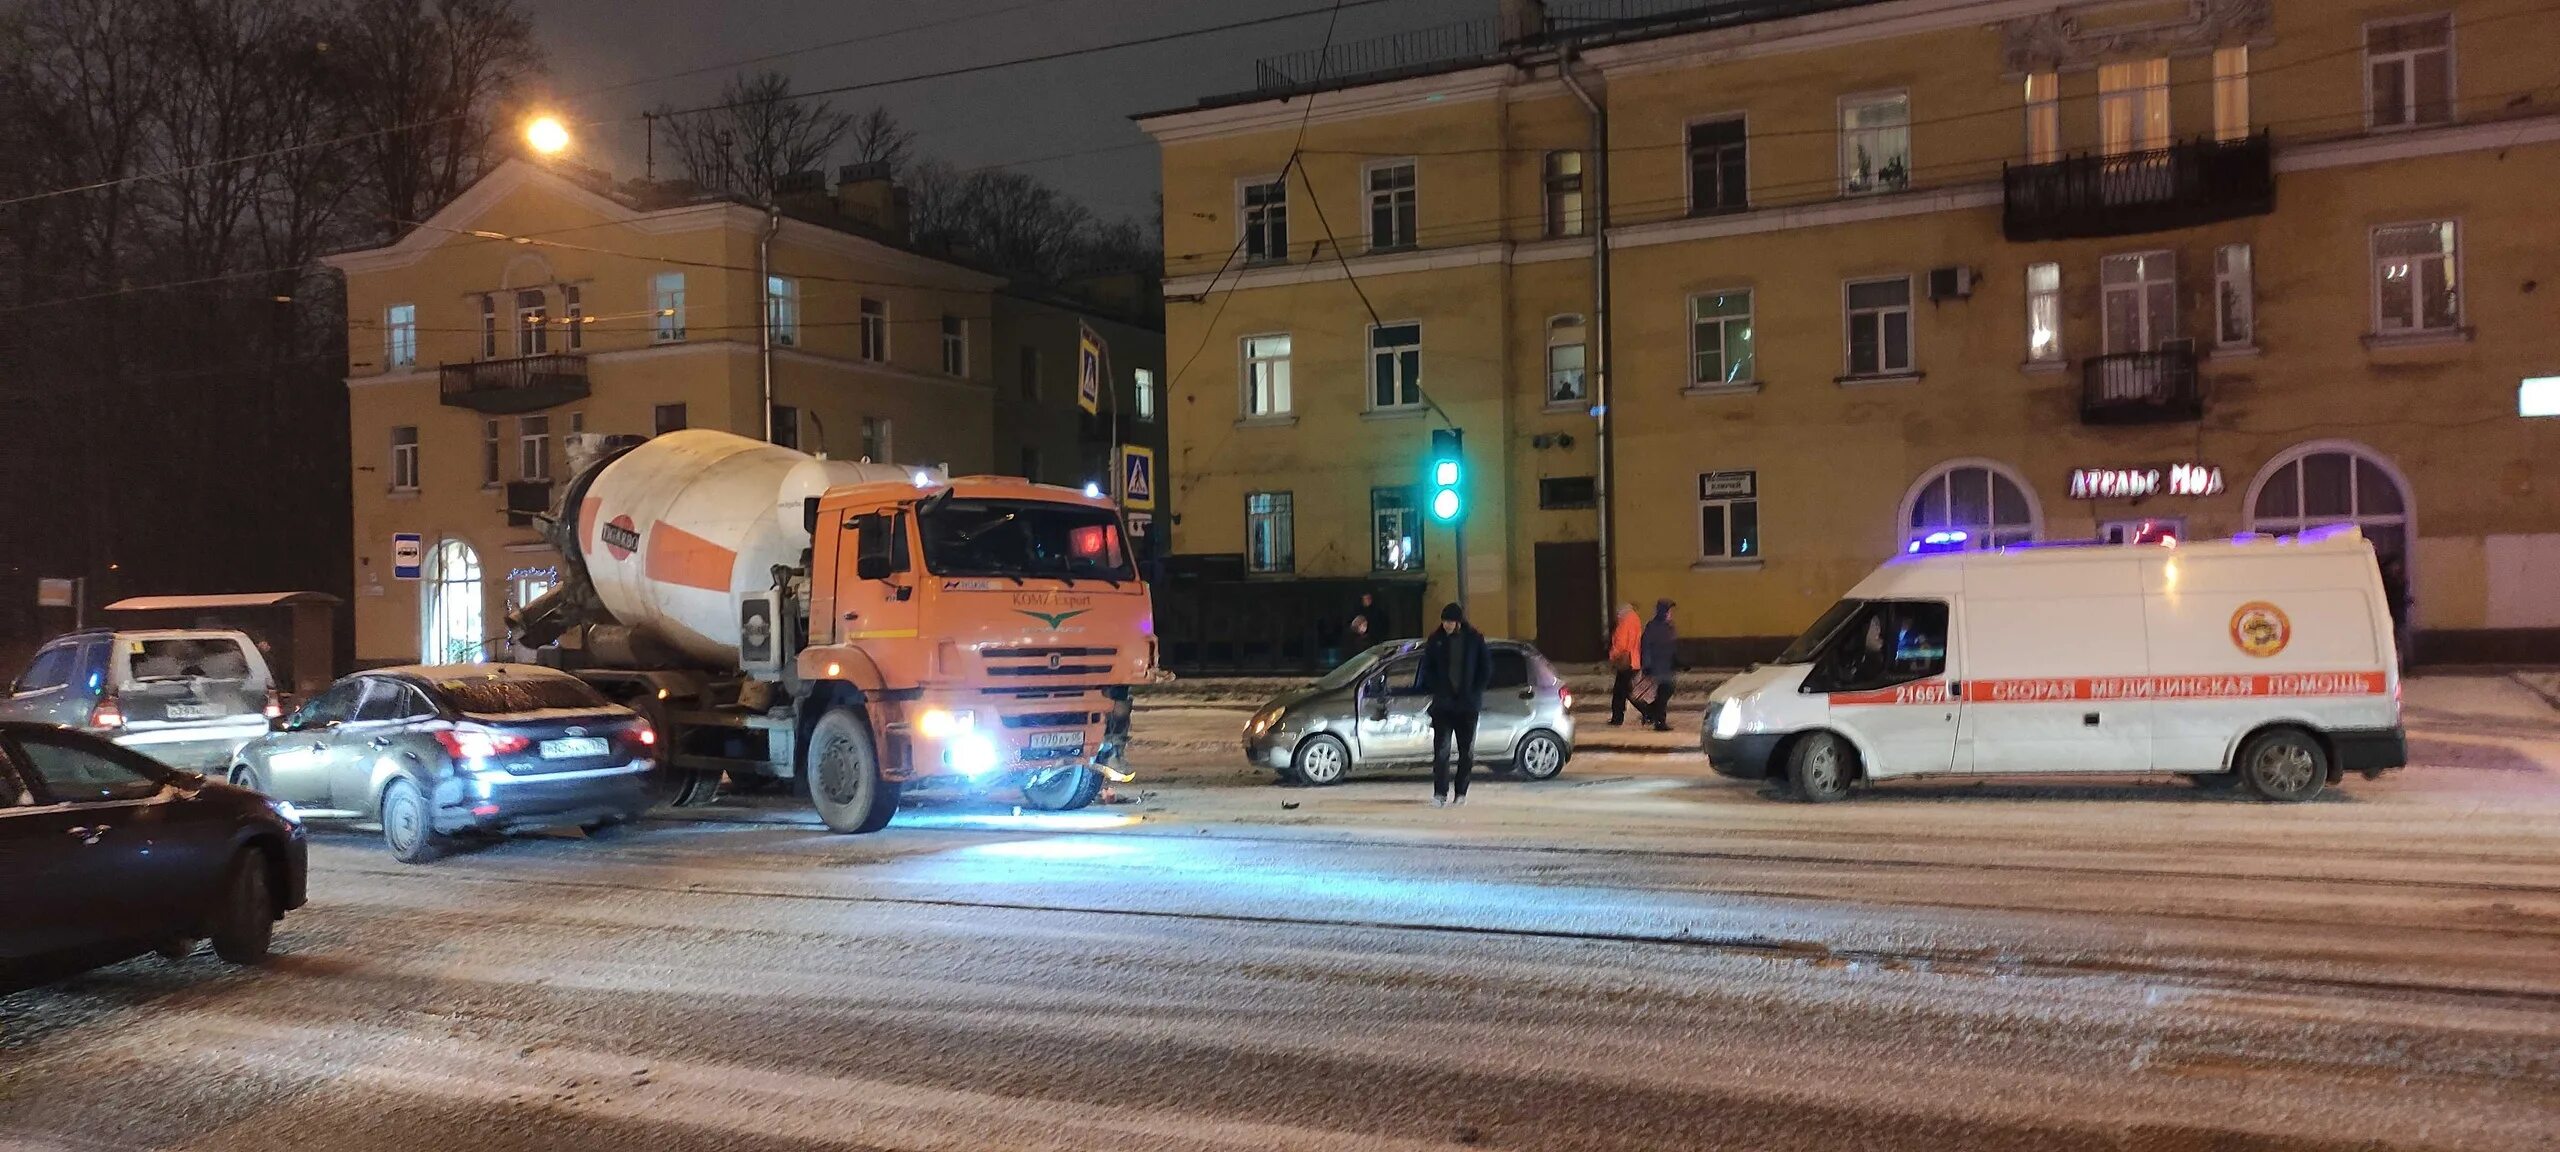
[533, 323]
[875, 330]
[1395, 366]
[488, 327]
[1391, 205]
[1270, 539]
[666, 418]
[2231, 93]
[489, 454]
[2133, 106]
[955, 346]
[1142, 392]
[786, 426]
[1266, 220]
[2044, 117]
[1564, 193]
[400, 336]
[2416, 270]
[1875, 143]
[451, 607]
[2044, 313]
[1266, 375]
[2234, 297]
[1728, 516]
[1721, 342]
[1029, 370]
[1395, 530]
[782, 310]
[1718, 169]
[2332, 482]
[1568, 492]
[573, 313]
[2139, 295]
[875, 440]
[666, 295]
[1566, 355]
[533, 448]
[404, 458]
[2409, 72]
[1969, 506]
[1879, 326]
[527, 585]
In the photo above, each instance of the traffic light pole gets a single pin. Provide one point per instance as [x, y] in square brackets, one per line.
[1459, 529]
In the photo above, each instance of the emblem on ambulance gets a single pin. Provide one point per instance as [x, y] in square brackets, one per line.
[2260, 629]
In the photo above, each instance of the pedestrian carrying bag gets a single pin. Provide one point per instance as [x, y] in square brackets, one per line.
[1643, 689]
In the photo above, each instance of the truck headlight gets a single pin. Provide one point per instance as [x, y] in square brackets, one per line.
[941, 723]
[1727, 721]
[973, 754]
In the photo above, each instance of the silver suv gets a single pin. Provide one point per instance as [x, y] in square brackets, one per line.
[1367, 714]
[186, 697]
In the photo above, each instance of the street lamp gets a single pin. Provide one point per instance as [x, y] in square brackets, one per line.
[547, 135]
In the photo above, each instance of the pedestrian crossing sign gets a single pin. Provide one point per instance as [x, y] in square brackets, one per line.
[1137, 477]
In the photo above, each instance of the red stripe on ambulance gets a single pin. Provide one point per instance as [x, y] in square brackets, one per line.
[2043, 690]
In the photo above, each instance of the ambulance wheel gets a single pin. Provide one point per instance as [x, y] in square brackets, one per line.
[1062, 790]
[2284, 764]
[844, 775]
[1820, 768]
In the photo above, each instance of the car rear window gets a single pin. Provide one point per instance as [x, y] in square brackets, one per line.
[187, 658]
[501, 695]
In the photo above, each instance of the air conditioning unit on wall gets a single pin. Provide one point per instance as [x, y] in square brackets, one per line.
[1951, 283]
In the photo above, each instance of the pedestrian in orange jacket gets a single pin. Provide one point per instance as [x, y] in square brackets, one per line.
[1625, 652]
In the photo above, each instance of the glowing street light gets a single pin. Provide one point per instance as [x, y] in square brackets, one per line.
[547, 135]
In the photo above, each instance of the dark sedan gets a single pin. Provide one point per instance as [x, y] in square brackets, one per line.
[105, 852]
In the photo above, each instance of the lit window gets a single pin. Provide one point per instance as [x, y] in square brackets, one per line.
[1395, 524]
[1142, 389]
[404, 458]
[488, 327]
[2416, 270]
[1879, 316]
[533, 323]
[2044, 118]
[1564, 193]
[1266, 375]
[1395, 366]
[2139, 294]
[782, 309]
[1392, 206]
[2044, 313]
[1270, 538]
[2234, 292]
[573, 314]
[400, 336]
[2409, 72]
[1566, 354]
[1875, 143]
[1722, 346]
[2133, 106]
[2231, 93]
[666, 296]
[1969, 508]
[1728, 516]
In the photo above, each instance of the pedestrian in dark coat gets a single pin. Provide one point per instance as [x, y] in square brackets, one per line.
[1661, 641]
[1455, 668]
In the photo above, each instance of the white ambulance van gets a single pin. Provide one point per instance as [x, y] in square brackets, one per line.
[2260, 660]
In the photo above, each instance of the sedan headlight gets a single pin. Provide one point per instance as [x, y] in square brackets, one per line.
[286, 810]
[1264, 721]
[1726, 723]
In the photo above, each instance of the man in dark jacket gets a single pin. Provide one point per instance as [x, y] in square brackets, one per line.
[1455, 668]
[1660, 641]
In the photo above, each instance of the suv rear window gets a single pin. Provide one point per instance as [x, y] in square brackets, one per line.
[500, 696]
[187, 658]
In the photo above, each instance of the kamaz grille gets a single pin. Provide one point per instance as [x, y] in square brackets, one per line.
[1044, 653]
[1046, 670]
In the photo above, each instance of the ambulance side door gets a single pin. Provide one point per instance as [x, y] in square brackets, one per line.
[2059, 673]
[1890, 676]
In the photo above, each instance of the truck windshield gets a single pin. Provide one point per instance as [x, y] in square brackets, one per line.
[1809, 645]
[1023, 538]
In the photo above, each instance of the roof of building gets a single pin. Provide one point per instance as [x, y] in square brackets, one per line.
[227, 600]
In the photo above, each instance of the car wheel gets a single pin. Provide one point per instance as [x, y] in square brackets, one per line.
[844, 775]
[1820, 768]
[244, 776]
[1321, 760]
[2285, 765]
[1541, 756]
[1062, 790]
[408, 828]
[245, 924]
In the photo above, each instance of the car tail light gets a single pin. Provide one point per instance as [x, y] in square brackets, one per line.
[275, 704]
[108, 714]
[1567, 693]
[646, 735]
[478, 744]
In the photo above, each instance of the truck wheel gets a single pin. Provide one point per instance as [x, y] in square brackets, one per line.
[2284, 764]
[844, 775]
[1062, 790]
[1820, 768]
[244, 924]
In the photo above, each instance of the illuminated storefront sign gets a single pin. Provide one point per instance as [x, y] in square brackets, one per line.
[2135, 483]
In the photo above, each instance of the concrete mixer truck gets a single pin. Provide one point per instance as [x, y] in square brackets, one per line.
[856, 628]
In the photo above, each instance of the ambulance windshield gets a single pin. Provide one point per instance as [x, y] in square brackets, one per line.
[1810, 644]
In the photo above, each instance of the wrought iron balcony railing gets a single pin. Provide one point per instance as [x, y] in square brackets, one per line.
[524, 384]
[2186, 184]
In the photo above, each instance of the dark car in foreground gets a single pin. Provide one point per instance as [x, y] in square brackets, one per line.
[105, 852]
[438, 751]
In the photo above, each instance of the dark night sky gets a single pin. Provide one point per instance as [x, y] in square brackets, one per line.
[1040, 110]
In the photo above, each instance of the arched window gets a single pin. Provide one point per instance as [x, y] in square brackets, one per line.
[1969, 505]
[1567, 354]
[2333, 482]
[451, 630]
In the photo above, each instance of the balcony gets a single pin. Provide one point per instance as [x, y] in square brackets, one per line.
[525, 384]
[2196, 182]
[2156, 387]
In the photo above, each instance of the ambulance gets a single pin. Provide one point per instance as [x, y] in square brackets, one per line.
[2262, 661]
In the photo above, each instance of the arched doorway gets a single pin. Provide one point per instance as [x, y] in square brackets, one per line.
[2328, 482]
[1969, 505]
[452, 606]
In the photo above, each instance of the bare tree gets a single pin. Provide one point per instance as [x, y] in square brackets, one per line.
[878, 138]
[757, 134]
[1022, 225]
[430, 80]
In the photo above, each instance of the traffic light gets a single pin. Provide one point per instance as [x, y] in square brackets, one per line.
[1448, 453]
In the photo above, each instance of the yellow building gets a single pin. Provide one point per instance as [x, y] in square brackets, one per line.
[1850, 279]
[535, 309]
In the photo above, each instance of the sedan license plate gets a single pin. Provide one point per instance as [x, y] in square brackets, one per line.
[573, 748]
[1069, 740]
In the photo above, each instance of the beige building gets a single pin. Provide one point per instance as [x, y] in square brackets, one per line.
[536, 308]
[1841, 280]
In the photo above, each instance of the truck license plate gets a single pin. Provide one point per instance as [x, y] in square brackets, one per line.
[574, 748]
[1057, 740]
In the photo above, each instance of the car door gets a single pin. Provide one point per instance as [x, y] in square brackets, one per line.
[44, 859]
[298, 761]
[1395, 717]
[388, 709]
[130, 863]
[1887, 676]
[42, 693]
[1508, 699]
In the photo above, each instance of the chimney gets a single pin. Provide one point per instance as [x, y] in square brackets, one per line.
[866, 194]
[1523, 22]
[804, 192]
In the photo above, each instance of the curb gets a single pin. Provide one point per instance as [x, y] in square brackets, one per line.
[2541, 693]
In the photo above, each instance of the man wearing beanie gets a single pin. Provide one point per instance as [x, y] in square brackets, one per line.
[1455, 668]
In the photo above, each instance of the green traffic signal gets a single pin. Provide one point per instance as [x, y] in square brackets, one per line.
[1448, 447]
